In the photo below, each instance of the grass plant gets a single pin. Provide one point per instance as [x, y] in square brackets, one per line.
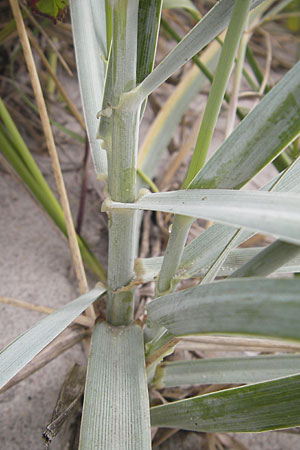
[232, 294]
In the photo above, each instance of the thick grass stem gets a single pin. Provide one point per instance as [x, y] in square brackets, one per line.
[122, 162]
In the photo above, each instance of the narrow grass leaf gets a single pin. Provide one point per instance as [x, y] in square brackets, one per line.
[218, 88]
[257, 407]
[207, 247]
[147, 269]
[204, 32]
[164, 125]
[43, 194]
[238, 370]
[116, 403]
[258, 139]
[89, 34]
[268, 260]
[148, 28]
[23, 349]
[277, 214]
[241, 306]
[240, 256]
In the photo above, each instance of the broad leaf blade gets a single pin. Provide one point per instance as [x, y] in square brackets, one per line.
[116, 404]
[258, 407]
[21, 351]
[239, 370]
[258, 139]
[245, 306]
[88, 25]
[277, 214]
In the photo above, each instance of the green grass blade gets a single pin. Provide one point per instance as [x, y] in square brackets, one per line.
[205, 248]
[21, 149]
[218, 87]
[148, 28]
[266, 131]
[258, 407]
[23, 349]
[186, 4]
[272, 213]
[89, 34]
[268, 260]
[116, 404]
[42, 192]
[147, 269]
[241, 306]
[238, 370]
[38, 186]
[164, 125]
[204, 31]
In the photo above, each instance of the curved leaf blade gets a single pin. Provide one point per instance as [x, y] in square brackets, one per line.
[258, 407]
[245, 306]
[204, 249]
[238, 370]
[23, 349]
[147, 269]
[277, 213]
[268, 260]
[209, 27]
[257, 140]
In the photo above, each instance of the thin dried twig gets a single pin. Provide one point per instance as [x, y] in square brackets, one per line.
[144, 247]
[162, 438]
[63, 342]
[81, 320]
[186, 148]
[59, 86]
[76, 256]
[231, 442]
[83, 191]
[50, 42]
[236, 344]
[268, 60]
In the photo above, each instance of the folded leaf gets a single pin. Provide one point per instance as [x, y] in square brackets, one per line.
[89, 34]
[116, 405]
